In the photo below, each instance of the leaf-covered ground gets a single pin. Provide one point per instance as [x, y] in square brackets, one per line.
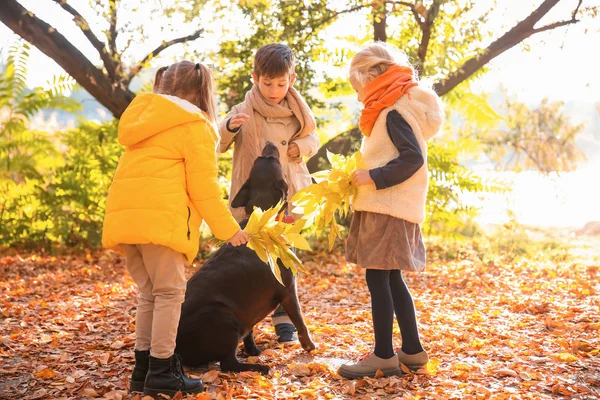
[494, 325]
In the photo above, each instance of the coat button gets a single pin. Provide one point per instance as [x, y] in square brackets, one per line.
[283, 143]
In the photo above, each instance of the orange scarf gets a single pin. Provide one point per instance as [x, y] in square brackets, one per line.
[382, 92]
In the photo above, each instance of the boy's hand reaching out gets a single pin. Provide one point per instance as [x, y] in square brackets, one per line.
[361, 177]
[238, 120]
[293, 151]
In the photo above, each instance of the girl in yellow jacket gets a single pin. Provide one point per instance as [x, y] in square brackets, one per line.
[164, 186]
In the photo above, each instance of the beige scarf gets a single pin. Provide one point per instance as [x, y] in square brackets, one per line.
[249, 140]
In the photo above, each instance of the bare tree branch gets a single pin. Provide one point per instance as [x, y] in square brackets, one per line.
[337, 14]
[403, 3]
[164, 45]
[81, 22]
[426, 27]
[514, 36]
[112, 31]
[554, 25]
[574, 15]
[50, 42]
[418, 17]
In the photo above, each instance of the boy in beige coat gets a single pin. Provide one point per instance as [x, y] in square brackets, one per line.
[271, 111]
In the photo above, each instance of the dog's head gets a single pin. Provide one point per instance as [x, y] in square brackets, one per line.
[265, 187]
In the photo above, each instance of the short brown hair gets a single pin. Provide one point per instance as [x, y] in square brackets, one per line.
[274, 60]
[188, 81]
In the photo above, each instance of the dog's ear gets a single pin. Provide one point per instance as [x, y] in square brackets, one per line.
[283, 187]
[243, 196]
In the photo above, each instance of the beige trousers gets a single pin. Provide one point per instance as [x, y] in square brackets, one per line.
[159, 274]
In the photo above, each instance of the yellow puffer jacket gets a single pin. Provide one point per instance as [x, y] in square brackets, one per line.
[166, 180]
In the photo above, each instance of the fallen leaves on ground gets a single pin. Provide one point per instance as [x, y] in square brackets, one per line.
[493, 329]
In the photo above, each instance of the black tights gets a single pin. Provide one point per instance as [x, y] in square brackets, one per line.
[389, 294]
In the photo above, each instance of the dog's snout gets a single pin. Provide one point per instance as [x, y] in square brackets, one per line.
[270, 150]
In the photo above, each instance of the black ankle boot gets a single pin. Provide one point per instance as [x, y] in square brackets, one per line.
[286, 332]
[139, 371]
[166, 376]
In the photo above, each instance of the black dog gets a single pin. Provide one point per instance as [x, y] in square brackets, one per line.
[234, 289]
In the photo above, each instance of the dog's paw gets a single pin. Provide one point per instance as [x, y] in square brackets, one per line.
[253, 351]
[307, 344]
[263, 369]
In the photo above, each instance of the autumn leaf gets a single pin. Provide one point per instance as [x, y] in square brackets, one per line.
[89, 392]
[432, 366]
[405, 369]
[210, 376]
[117, 345]
[305, 392]
[46, 373]
[351, 388]
[298, 241]
[506, 372]
[567, 357]
[273, 239]
[178, 396]
[525, 376]
[299, 369]
[115, 395]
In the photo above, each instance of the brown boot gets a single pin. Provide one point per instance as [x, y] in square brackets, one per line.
[369, 365]
[413, 361]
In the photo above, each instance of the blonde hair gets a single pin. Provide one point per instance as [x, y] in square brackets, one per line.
[188, 81]
[374, 60]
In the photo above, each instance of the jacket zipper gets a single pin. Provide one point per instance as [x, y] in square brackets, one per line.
[189, 233]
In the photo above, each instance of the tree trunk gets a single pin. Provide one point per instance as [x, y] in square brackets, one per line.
[379, 23]
[50, 42]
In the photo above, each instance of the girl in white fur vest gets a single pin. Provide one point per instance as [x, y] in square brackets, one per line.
[398, 118]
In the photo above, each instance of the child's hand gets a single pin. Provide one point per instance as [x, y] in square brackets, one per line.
[293, 151]
[238, 120]
[361, 177]
[239, 238]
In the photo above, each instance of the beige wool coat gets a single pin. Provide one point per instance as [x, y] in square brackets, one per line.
[282, 132]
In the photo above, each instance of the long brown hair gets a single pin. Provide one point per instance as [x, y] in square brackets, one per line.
[188, 81]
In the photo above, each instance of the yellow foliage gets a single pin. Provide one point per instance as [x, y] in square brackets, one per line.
[272, 240]
[330, 195]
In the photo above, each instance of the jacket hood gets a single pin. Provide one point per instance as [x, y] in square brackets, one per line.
[151, 113]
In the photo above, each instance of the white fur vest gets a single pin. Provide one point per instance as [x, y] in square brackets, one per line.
[422, 110]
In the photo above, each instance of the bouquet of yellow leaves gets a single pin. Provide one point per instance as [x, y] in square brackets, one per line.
[272, 240]
[331, 194]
